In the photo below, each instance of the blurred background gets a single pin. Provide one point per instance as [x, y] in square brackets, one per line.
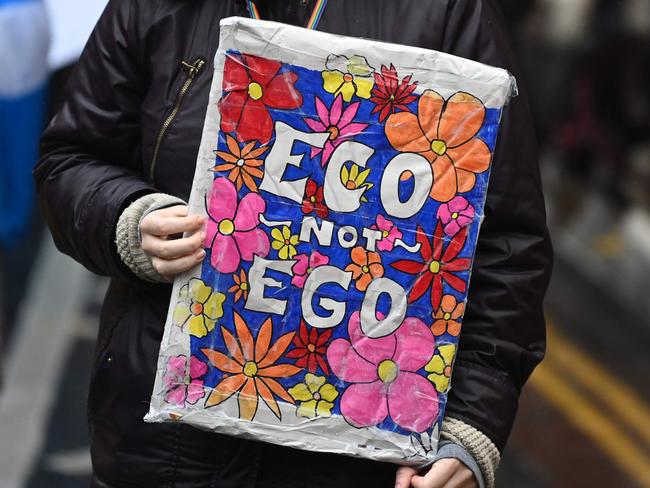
[584, 419]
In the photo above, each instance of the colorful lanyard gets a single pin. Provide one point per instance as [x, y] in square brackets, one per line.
[316, 14]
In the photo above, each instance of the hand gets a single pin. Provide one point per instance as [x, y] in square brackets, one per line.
[445, 473]
[171, 254]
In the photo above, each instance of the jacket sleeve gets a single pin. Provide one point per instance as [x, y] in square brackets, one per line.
[503, 334]
[90, 164]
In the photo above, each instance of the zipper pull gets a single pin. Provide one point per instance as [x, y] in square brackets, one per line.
[194, 68]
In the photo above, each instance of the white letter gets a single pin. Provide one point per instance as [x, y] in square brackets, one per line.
[319, 276]
[380, 328]
[423, 177]
[323, 233]
[347, 230]
[280, 156]
[372, 236]
[337, 197]
[256, 301]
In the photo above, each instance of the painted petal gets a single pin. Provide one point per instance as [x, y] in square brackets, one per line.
[473, 156]
[420, 286]
[276, 350]
[385, 244]
[466, 180]
[300, 393]
[452, 228]
[413, 402]
[327, 152]
[248, 212]
[444, 213]
[461, 120]
[261, 70]
[364, 404]
[440, 380]
[278, 389]
[447, 351]
[415, 345]
[347, 90]
[405, 134]
[267, 396]
[317, 259]
[436, 365]
[314, 382]
[448, 303]
[383, 223]
[263, 339]
[454, 247]
[363, 86]
[222, 362]
[302, 263]
[197, 367]
[255, 122]
[299, 280]
[176, 395]
[231, 107]
[332, 81]
[458, 204]
[349, 113]
[248, 400]
[315, 125]
[181, 314]
[464, 220]
[454, 328]
[281, 93]
[196, 326]
[348, 365]
[252, 243]
[324, 409]
[323, 112]
[235, 76]
[224, 256]
[444, 180]
[233, 346]
[372, 350]
[458, 311]
[213, 308]
[307, 409]
[195, 391]
[429, 110]
[335, 111]
[410, 267]
[222, 200]
[244, 336]
[352, 129]
[328, 392]
[225, 389]
[176, 367]
[280, 371]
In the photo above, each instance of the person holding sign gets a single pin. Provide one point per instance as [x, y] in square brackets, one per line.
[116, 170]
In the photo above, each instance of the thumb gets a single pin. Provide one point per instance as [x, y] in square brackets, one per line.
[403, 477]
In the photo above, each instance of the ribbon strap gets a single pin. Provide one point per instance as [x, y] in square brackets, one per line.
[316, 14]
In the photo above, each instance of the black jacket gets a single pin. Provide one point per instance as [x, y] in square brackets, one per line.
[97, 157]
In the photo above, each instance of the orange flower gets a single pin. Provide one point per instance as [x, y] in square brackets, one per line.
[240, 288]
[365, 267]
[445, 134]
[242, 164]
[251, 369]
[447, 316]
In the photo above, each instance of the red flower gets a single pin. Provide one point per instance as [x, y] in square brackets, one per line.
[313, 201]
[251, 86]
[389, 95]
[438, 267]
[310, 348]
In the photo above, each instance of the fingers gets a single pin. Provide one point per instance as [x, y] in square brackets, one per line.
[170, 221]
[463, 478]
[439, 475]
[403, 477]
[174, 248]
[172, 267]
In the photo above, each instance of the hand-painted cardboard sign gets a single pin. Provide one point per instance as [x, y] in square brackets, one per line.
[343, 182]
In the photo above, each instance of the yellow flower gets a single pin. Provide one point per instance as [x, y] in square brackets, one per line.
[353, 179]
[284, 242]
[316, 397]
[348, 76]
[198, 307]
[440, 367]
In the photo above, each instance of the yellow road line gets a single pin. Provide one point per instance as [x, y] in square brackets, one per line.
[611, 440]
[602, 384]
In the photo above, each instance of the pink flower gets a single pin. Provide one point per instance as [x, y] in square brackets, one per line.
[389, 233]
[455, 214]
[384, 377]
[337, 122]
[305, 265]
[181, 387]
[232, 233]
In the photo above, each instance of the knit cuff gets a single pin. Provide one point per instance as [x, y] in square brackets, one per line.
[127, 234]
[449, 449]
[476, 443]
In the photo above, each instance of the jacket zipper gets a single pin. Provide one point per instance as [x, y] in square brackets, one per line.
[192, 71]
